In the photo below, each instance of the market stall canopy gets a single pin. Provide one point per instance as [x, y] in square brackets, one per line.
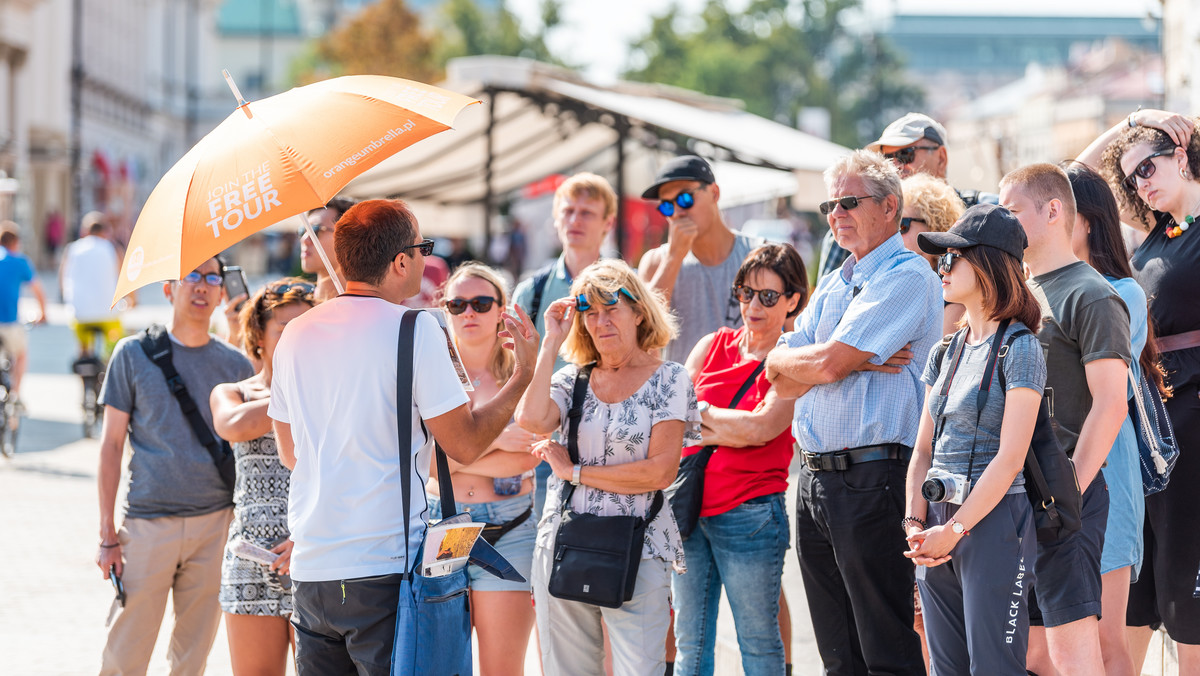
[538, 120]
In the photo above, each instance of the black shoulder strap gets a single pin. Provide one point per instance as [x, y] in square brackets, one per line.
[746, 385]
[575, 413]
[1008, 344]
[540, 282]
[404, 382]
[157, 345]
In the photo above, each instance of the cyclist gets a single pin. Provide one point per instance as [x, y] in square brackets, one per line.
[88, 279]
[16, 271]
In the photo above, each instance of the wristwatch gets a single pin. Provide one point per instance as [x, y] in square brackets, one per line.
[575, 475]
[957, 527]
[702, 406]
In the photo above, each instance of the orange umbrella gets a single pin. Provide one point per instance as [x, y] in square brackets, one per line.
[273, 159]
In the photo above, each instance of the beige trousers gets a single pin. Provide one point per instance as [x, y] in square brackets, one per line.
[176, 555]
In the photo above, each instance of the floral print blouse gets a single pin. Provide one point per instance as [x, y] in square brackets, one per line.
[612, 434]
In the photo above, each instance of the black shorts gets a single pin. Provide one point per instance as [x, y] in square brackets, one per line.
[1163, 592]
[1068, 570]
[346, 626]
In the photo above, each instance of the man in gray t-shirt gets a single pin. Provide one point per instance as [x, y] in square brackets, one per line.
[177, 508]
[695, 269]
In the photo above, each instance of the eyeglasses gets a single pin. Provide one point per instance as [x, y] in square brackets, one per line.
[847, 203]
[1144, 170]
[480, 304]
[281, 289]
[318, 229]
[768, 297]
[906, 223]
[583, 305]
[946, 262]
[684, 200]
[907, 155]
[425, 246]
[211, 279]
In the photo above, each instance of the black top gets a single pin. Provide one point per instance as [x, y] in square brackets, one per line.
[1167, 270]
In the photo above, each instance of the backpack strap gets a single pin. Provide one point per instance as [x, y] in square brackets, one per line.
[540, 282]
[157, 345]
[1008, 347]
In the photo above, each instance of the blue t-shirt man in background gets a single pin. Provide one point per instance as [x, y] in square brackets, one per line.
[15, 272]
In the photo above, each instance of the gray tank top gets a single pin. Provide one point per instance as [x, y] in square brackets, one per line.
[703, 300]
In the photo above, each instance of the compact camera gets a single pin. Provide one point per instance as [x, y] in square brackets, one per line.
[943, 486]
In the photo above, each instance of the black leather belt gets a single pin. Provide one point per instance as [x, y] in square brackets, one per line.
[840, 461]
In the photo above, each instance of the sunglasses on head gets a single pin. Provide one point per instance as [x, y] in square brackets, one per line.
[318, 229]
[907, 155]
[847, 203]
[1144, 169]
[945, 262]
[211, 279]
[684, 200]
[768, 297]
[305, 288]
[480, 304]
[583, 305]
[425, 246]
[907, 221]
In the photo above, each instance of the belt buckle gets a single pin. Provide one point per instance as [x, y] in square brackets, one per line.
[812, 461]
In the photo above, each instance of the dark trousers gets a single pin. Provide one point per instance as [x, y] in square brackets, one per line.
[858, 583]
[346, 626]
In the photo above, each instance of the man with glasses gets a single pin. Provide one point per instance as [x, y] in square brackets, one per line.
[177, 506]
[856, 421]
[695, 269]
[322, 219]
[334, 405]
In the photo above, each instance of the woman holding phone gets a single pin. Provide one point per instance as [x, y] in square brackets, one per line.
[969, 523]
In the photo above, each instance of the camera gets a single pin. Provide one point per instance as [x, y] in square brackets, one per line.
[943, 486]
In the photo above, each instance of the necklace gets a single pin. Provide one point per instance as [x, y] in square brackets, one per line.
[1180, 228]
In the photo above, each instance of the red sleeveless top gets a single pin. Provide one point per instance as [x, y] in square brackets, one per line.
[736, 475]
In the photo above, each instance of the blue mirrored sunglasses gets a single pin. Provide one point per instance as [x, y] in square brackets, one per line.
[211, 279]
[582, 304]
[685, 200]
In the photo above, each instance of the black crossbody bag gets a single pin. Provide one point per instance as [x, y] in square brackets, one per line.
[157, 345]
[596, 558]
[686, 493]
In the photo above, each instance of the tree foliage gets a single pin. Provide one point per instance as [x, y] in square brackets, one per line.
[780, 56]
[469, 29]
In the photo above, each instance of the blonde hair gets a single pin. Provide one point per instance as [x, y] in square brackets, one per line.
[501, 362]
[605, 279]
[263, 304]
[587, 185]
[936, 202]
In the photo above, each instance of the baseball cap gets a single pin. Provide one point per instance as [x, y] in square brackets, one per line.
[908, 130]
[982, 224]
[682, 168]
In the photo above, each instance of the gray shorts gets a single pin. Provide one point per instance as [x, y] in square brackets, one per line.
[1068, 570]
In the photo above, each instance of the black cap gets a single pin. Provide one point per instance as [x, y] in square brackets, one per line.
[986, 224]
[682, 168]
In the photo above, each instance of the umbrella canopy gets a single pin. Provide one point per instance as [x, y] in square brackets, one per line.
[273, 159]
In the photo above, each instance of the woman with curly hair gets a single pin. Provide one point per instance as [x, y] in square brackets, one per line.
[1151, 160]
[256, 601]
[930, 205]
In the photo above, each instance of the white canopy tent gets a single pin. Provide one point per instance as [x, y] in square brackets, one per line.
[538, 120]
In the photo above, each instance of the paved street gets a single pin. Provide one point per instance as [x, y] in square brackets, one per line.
[53, 601]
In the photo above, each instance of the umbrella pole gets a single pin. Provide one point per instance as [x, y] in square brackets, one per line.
[312, 236]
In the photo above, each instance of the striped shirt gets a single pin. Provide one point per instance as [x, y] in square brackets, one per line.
[879, 304]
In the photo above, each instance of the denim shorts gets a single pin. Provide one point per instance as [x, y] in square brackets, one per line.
[516, 545]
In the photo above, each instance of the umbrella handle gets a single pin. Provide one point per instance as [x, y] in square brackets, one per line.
[312, 237]
[233, 87]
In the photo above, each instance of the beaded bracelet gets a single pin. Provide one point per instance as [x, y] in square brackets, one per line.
[912, 519]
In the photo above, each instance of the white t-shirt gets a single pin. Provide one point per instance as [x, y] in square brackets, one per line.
[90, 278]
[334, 382]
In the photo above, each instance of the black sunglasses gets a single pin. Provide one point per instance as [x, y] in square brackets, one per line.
[685, 200]
[847, 203]
[1144, 170]
[768, 297]
[583, 305]
[280, 289]
[946, 262]
[907, 221]
[211, 279]
[907, 155]
[318, 229]
[480, 304]
[425, 246]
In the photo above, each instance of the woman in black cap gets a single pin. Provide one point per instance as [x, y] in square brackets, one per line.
[969, 526]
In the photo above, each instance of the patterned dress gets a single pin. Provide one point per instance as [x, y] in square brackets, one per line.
[260, 502]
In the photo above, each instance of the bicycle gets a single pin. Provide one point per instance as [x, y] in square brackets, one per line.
[91, 366]
[10, 408]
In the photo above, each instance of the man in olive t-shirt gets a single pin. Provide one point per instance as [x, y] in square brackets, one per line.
[1085, 329]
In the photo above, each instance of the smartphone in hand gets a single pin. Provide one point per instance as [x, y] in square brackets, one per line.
[235, 283]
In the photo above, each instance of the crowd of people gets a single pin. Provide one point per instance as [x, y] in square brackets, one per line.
[907, 384]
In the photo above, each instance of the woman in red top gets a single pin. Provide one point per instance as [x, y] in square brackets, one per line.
[743, 530]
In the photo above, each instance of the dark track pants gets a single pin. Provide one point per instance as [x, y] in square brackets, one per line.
[976, 605]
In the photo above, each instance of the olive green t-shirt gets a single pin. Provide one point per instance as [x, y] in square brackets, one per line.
[1083, 319]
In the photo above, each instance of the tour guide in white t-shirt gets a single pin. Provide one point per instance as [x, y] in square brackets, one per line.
[333, 400]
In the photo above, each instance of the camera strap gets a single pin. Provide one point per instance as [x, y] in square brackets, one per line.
[997, 352]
